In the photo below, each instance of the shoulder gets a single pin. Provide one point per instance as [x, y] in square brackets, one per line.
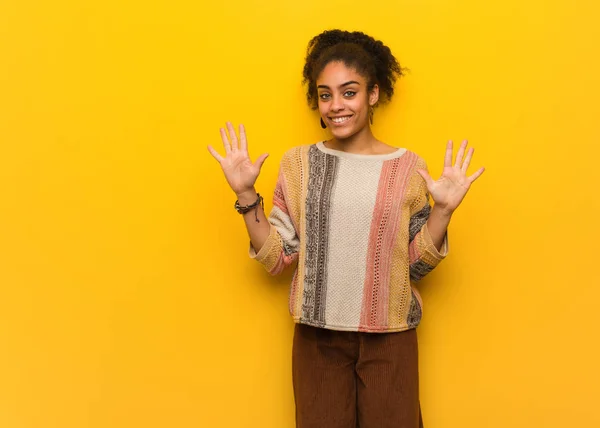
[296, 151]
[416, 191]
[295, 155]
[294, 160]
[417, 161]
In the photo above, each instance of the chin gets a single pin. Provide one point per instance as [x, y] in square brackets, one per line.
[342, 134]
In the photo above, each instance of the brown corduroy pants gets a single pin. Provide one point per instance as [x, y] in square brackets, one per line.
[352, 379]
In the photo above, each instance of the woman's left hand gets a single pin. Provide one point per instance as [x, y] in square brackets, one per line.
[450, 189]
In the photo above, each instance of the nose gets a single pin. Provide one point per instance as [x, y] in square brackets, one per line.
[337, 104]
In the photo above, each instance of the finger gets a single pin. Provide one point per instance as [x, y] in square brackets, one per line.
[233, 137]
[448, 157]
[243, 141]
[426, 177]
[261, 159]
[477, 174]
[225, 140]
[215, 154]
[460, 154]
[467, 162]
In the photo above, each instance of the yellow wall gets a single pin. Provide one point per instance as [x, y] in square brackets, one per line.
[127, 299]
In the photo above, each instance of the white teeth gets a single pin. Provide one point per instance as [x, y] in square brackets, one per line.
[340, 119]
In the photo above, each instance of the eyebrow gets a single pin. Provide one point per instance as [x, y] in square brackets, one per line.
[341, 86]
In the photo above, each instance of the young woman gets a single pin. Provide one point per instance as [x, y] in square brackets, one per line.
[355, 214]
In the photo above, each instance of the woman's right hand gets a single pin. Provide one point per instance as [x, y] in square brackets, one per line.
[240, 172]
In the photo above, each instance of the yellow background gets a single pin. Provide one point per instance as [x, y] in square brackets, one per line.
[126, 295]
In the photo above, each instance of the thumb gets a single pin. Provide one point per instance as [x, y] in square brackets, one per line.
[428, 180]
[260, 160]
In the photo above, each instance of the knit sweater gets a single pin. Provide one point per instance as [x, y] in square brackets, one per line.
[357, 227]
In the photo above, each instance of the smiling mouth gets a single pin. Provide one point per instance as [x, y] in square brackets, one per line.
[340, 120]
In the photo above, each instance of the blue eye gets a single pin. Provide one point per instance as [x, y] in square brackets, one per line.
[347, 94]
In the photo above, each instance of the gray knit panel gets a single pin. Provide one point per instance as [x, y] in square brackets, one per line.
[322, 172]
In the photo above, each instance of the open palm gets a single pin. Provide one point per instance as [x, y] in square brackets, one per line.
[241, 173]
[450, 189]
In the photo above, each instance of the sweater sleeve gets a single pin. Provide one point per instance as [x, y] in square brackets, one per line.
[282, 245]
[423, 254]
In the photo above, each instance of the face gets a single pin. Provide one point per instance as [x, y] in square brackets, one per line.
[344, 100]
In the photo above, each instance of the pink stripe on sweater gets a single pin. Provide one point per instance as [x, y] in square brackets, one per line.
[413, 250]
[282, 262]
[280, 194]
[395, 174]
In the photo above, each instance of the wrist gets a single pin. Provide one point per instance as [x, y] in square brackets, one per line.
[442, 211]
[247, 197]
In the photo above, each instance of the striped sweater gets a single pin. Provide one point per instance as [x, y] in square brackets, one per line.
[357, 227]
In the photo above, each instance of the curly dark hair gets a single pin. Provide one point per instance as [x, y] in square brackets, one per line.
[369, 57]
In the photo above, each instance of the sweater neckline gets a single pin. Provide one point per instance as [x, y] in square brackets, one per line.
[385, 156]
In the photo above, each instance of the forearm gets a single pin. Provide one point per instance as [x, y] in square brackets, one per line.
[437, 224]
[257, 231]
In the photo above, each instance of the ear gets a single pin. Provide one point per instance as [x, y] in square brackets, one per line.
[374, 95]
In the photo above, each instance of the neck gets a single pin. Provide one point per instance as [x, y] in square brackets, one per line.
[363, 142]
